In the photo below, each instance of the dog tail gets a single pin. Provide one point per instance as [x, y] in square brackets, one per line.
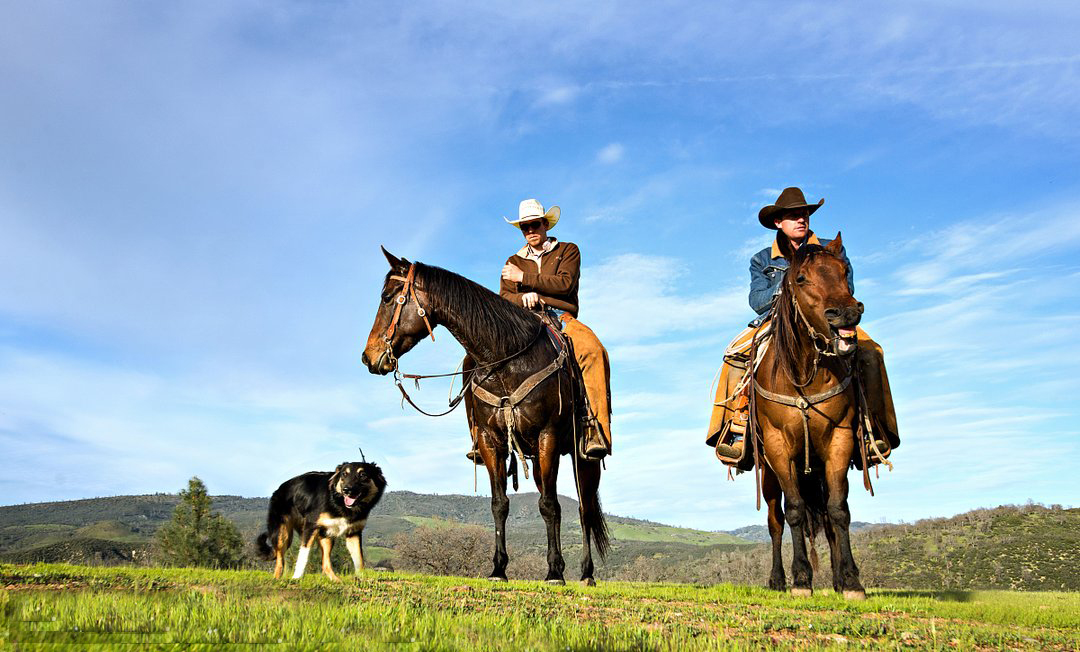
[275, 519]
[263, 548]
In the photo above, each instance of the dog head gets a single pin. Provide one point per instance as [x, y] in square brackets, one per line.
[359, 484]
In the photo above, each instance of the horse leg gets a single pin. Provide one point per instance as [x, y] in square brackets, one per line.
[547, 474]
[845, 572]
[495, 461]
[591, 517]
[834, 555]
[770, 489]
[795, 511]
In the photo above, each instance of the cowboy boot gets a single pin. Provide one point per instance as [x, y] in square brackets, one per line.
[732, 451]
[593, 442]
[879, 399]
[474, 453]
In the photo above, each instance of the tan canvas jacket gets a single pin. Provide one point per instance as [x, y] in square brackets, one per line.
[556, 281]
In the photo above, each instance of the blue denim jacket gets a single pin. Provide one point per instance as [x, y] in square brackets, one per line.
[767, 269]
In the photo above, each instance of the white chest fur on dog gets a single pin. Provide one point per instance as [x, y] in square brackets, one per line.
[335, 527]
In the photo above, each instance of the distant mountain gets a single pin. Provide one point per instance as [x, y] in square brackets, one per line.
[74, 530]
[760, 533]
[1027, 547]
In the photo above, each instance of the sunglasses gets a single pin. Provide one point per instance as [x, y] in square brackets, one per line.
[531, 226]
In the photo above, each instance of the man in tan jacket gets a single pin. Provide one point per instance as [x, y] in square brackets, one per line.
[543, 275]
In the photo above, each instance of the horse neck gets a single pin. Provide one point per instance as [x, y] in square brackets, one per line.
[481, 327]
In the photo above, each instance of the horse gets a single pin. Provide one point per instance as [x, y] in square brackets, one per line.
[516, 360]
[805, 407]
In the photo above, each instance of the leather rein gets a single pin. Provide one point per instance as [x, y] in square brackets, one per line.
[409, 290]
[802, 402]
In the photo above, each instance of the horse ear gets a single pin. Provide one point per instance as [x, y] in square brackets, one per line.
[395, 262]
[836, 246]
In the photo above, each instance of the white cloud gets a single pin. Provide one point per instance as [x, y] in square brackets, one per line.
[634, 297]
[611, 154]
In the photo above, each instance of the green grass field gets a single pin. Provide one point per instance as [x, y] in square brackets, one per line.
[75, 607]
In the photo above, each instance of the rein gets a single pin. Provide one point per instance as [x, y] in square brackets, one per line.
[407, 290]
[826, 349]
[802, 402]
[416, 378]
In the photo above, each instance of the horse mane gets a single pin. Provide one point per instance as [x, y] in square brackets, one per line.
[492, 322]
[789, 354]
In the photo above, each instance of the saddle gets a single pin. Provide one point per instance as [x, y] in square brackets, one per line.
[866, 454]
[564, 360]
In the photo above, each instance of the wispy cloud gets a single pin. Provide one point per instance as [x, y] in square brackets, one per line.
[611, 154]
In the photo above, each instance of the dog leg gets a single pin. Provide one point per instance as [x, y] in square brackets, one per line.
[356, 550]
[327, 544]
[301, 562]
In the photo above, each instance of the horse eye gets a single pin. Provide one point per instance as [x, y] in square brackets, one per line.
[800, 279]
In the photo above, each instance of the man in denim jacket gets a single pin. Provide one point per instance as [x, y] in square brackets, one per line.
[790, 217]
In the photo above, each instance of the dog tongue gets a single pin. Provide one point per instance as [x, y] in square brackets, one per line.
[349, 500]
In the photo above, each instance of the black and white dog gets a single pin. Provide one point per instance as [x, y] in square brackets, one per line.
[320, 506]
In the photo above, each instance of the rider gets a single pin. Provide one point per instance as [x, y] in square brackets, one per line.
[790, 217]
[543, 275]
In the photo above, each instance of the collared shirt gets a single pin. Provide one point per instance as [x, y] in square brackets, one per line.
[767, 269]
[528, 253]
[554, 277]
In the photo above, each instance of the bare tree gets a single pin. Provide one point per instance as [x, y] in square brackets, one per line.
[454, 550]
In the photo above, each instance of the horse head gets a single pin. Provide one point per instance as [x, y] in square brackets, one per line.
[401, 320]
[816, 282]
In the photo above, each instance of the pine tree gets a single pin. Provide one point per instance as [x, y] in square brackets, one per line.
[197, 536]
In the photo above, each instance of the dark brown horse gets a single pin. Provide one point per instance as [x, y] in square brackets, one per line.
[512, 351]
[805, 409]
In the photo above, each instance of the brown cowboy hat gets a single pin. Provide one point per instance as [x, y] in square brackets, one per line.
[789, 199]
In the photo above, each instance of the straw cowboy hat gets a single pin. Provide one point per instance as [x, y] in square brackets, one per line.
[789, 199]
[530, 209]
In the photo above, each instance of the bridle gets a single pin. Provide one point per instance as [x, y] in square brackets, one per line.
[409, 288]
[802, 402]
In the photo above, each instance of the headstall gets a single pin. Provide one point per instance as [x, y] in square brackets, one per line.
[409, 288]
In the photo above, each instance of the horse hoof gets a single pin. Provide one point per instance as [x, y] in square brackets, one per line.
[493, 578]
[802, 593]
[854, 595]
[556, 582]
[588, 581]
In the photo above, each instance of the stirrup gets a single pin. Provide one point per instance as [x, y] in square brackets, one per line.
[475, 457]
[593, 446]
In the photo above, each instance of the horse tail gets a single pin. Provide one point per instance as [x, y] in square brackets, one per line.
[812, 489]
[592, 519]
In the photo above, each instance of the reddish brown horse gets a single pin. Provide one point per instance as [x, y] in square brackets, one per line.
[805, 409]
[519, 365]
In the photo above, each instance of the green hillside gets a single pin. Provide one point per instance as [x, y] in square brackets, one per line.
[1025, 547]
[76, 607]
[79, 531]
[1028, 547]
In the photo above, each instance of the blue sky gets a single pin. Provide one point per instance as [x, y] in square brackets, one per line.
[192, 197]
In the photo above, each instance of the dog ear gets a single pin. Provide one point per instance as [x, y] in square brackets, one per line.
[334, 477]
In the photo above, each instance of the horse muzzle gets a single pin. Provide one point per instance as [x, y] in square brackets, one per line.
[843, 323]
[381, 366]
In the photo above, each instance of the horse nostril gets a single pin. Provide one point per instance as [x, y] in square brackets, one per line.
[832, 313]
[363, 358]
[859, 306]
